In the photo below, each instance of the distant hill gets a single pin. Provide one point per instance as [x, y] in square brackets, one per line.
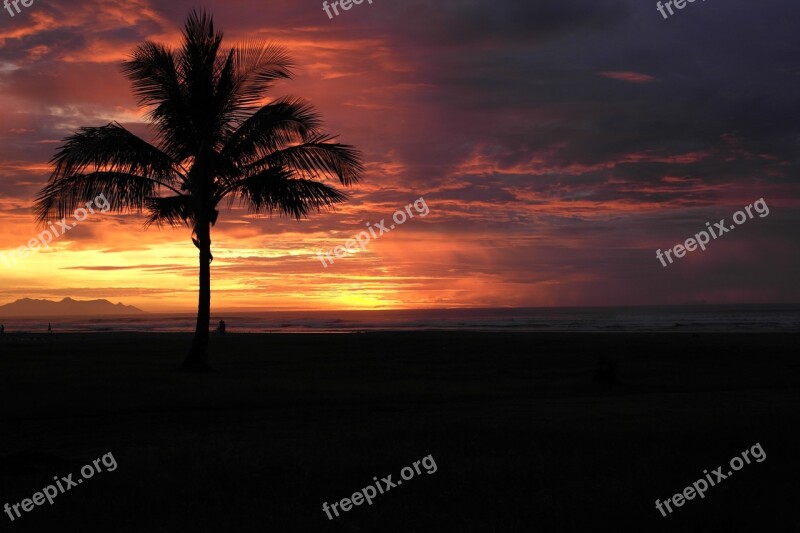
[67, 307]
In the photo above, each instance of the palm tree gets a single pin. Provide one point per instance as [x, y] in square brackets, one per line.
[215, 140]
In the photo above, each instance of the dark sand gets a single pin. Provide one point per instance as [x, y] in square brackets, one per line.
[522, 437]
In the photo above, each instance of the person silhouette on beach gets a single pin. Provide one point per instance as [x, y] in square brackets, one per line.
[221, 327]
[2, 329]
[49, 328]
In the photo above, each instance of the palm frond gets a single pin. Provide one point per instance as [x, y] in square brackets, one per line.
[315, 158]
[169, 210]
[113, 148]
[275, 190]
[157, 83]
[124, 193]
[198, 63]
[258, 66]
[225, 86]
[283, 123]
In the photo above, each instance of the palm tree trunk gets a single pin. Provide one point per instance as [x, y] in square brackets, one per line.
[197, 359]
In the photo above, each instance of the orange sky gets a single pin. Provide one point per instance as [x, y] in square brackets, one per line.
[555, 154]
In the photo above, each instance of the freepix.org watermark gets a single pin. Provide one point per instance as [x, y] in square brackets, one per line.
[346, 5]
[50, 492]
[8, 3]
[47, 236]
[361, 240]
[679, 4]
[699, 487]
[703, 238]
[368, 493]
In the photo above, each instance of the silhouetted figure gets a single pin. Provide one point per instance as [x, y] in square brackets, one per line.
[2, 329]
[221, 327]
[49, 328]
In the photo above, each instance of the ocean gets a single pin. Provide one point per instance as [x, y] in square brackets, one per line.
[707, 318]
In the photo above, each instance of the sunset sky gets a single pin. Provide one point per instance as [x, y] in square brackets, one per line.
[558, 144]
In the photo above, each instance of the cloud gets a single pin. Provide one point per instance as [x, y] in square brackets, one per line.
[630, 77]
[558, 145]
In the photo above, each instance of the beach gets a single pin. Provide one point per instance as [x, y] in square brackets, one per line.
[523, 436]
[419, 267]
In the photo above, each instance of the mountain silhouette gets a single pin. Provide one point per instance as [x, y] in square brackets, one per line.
[26, 307]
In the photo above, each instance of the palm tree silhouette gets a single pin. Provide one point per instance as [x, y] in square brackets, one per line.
[215, 140]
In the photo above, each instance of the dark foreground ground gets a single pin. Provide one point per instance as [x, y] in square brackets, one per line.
[522, 438]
